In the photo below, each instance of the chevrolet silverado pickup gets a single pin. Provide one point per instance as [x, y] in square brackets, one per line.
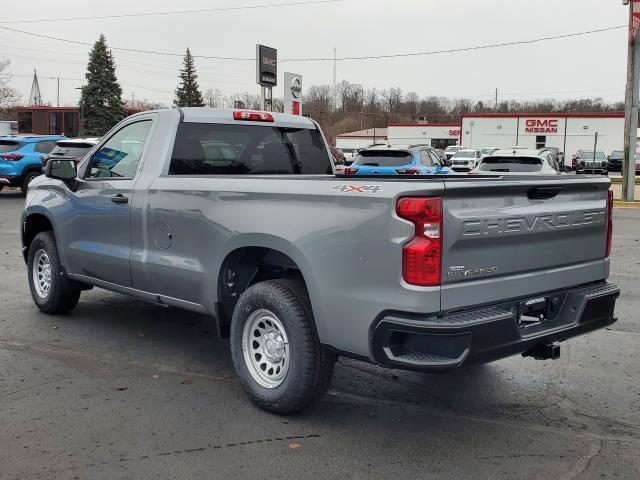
[239, 215]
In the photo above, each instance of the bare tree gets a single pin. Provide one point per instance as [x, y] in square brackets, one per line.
[9, 96]
[213, 98]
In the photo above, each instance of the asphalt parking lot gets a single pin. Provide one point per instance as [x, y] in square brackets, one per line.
[123, 389]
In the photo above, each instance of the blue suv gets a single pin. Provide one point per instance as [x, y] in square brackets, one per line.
[21, 158]
[398, 161]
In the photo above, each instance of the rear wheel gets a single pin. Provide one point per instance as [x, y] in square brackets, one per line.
[27, 180]
[275, 347]
[46, 277]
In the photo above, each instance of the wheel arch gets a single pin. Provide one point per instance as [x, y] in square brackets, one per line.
[34, 222]
[251, 263]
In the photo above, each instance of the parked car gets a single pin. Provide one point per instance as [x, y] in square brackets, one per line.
[585, 162]
[518, 162]
[337, 154]
[484, 151]
[398, 161]
[350, 155]
[451, 150]
[299, 266]
[615, 160]
[72, 149]
[559, 156]
[465, 160]
[21, 158]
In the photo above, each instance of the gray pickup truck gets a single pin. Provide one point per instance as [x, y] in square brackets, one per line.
[240, 215]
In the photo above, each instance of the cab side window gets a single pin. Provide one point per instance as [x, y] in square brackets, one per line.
[120, 155]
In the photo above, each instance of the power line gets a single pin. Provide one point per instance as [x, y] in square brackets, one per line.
[150, 52]
[323, 59]
[176, 12]
[463, 49]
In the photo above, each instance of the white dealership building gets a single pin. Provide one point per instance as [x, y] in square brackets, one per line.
[436, 135]
[567, 132]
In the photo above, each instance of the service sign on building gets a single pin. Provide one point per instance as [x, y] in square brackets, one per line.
[266, 66]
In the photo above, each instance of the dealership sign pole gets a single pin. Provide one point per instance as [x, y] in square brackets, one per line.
[266, 74]
[631, 103]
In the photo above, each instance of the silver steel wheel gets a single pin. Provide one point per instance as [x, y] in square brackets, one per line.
[266, 348]
[42, 273]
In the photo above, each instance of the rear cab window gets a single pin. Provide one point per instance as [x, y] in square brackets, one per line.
[221, 149]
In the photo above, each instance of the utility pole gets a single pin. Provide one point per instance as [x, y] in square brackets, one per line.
[631, 103]
[496, 99]
[58, 96]
[335, 64]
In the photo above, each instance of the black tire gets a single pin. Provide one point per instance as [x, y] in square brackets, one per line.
[27, 179]
[57, 300]
[310, 367]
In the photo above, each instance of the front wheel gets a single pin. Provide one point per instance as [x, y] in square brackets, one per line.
[46, 277]
[275, 347]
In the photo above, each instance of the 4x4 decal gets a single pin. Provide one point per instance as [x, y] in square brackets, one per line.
[358, 188]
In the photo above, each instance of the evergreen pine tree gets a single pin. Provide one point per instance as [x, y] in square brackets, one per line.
[101, 99]
[188, 92]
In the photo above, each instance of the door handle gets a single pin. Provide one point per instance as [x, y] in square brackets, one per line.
[119, 198]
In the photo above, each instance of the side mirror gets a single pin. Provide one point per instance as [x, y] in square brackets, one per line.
[64, 170]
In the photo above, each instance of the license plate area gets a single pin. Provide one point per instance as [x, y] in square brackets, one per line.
[533, 312]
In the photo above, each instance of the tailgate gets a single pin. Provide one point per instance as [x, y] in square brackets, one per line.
[510, 238]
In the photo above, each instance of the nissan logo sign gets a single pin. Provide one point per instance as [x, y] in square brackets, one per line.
[296, 87]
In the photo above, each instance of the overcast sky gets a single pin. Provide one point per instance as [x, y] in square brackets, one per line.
[586, 66]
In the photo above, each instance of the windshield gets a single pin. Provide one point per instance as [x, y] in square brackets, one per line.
[9, 146]
[465, 154]
[383, 158]
[617, 153]
[452, 148]
[589, 156]
[486, 151]
[511, 164]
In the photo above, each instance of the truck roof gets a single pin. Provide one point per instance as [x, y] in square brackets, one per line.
[225, 115]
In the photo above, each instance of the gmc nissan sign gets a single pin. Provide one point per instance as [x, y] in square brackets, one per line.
[537, 125]
[266, 66]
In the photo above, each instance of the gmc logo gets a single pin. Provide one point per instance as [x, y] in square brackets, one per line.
[541, 126]
[454, 133]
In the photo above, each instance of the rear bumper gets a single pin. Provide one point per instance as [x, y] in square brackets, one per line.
[449, 341]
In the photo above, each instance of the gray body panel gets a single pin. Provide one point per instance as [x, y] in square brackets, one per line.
[347, 245]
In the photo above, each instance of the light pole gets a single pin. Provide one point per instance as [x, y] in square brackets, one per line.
[631, 103]
[81, 119]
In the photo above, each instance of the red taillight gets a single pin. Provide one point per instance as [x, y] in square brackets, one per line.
[12, 156]
[350, 171]
[253, 116]
[408, 171]
[607, 252]
[422, 255]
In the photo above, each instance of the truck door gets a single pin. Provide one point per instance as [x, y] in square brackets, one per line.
[97, 226]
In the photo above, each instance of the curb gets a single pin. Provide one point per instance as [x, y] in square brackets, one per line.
[621, 204]
[618, 181]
